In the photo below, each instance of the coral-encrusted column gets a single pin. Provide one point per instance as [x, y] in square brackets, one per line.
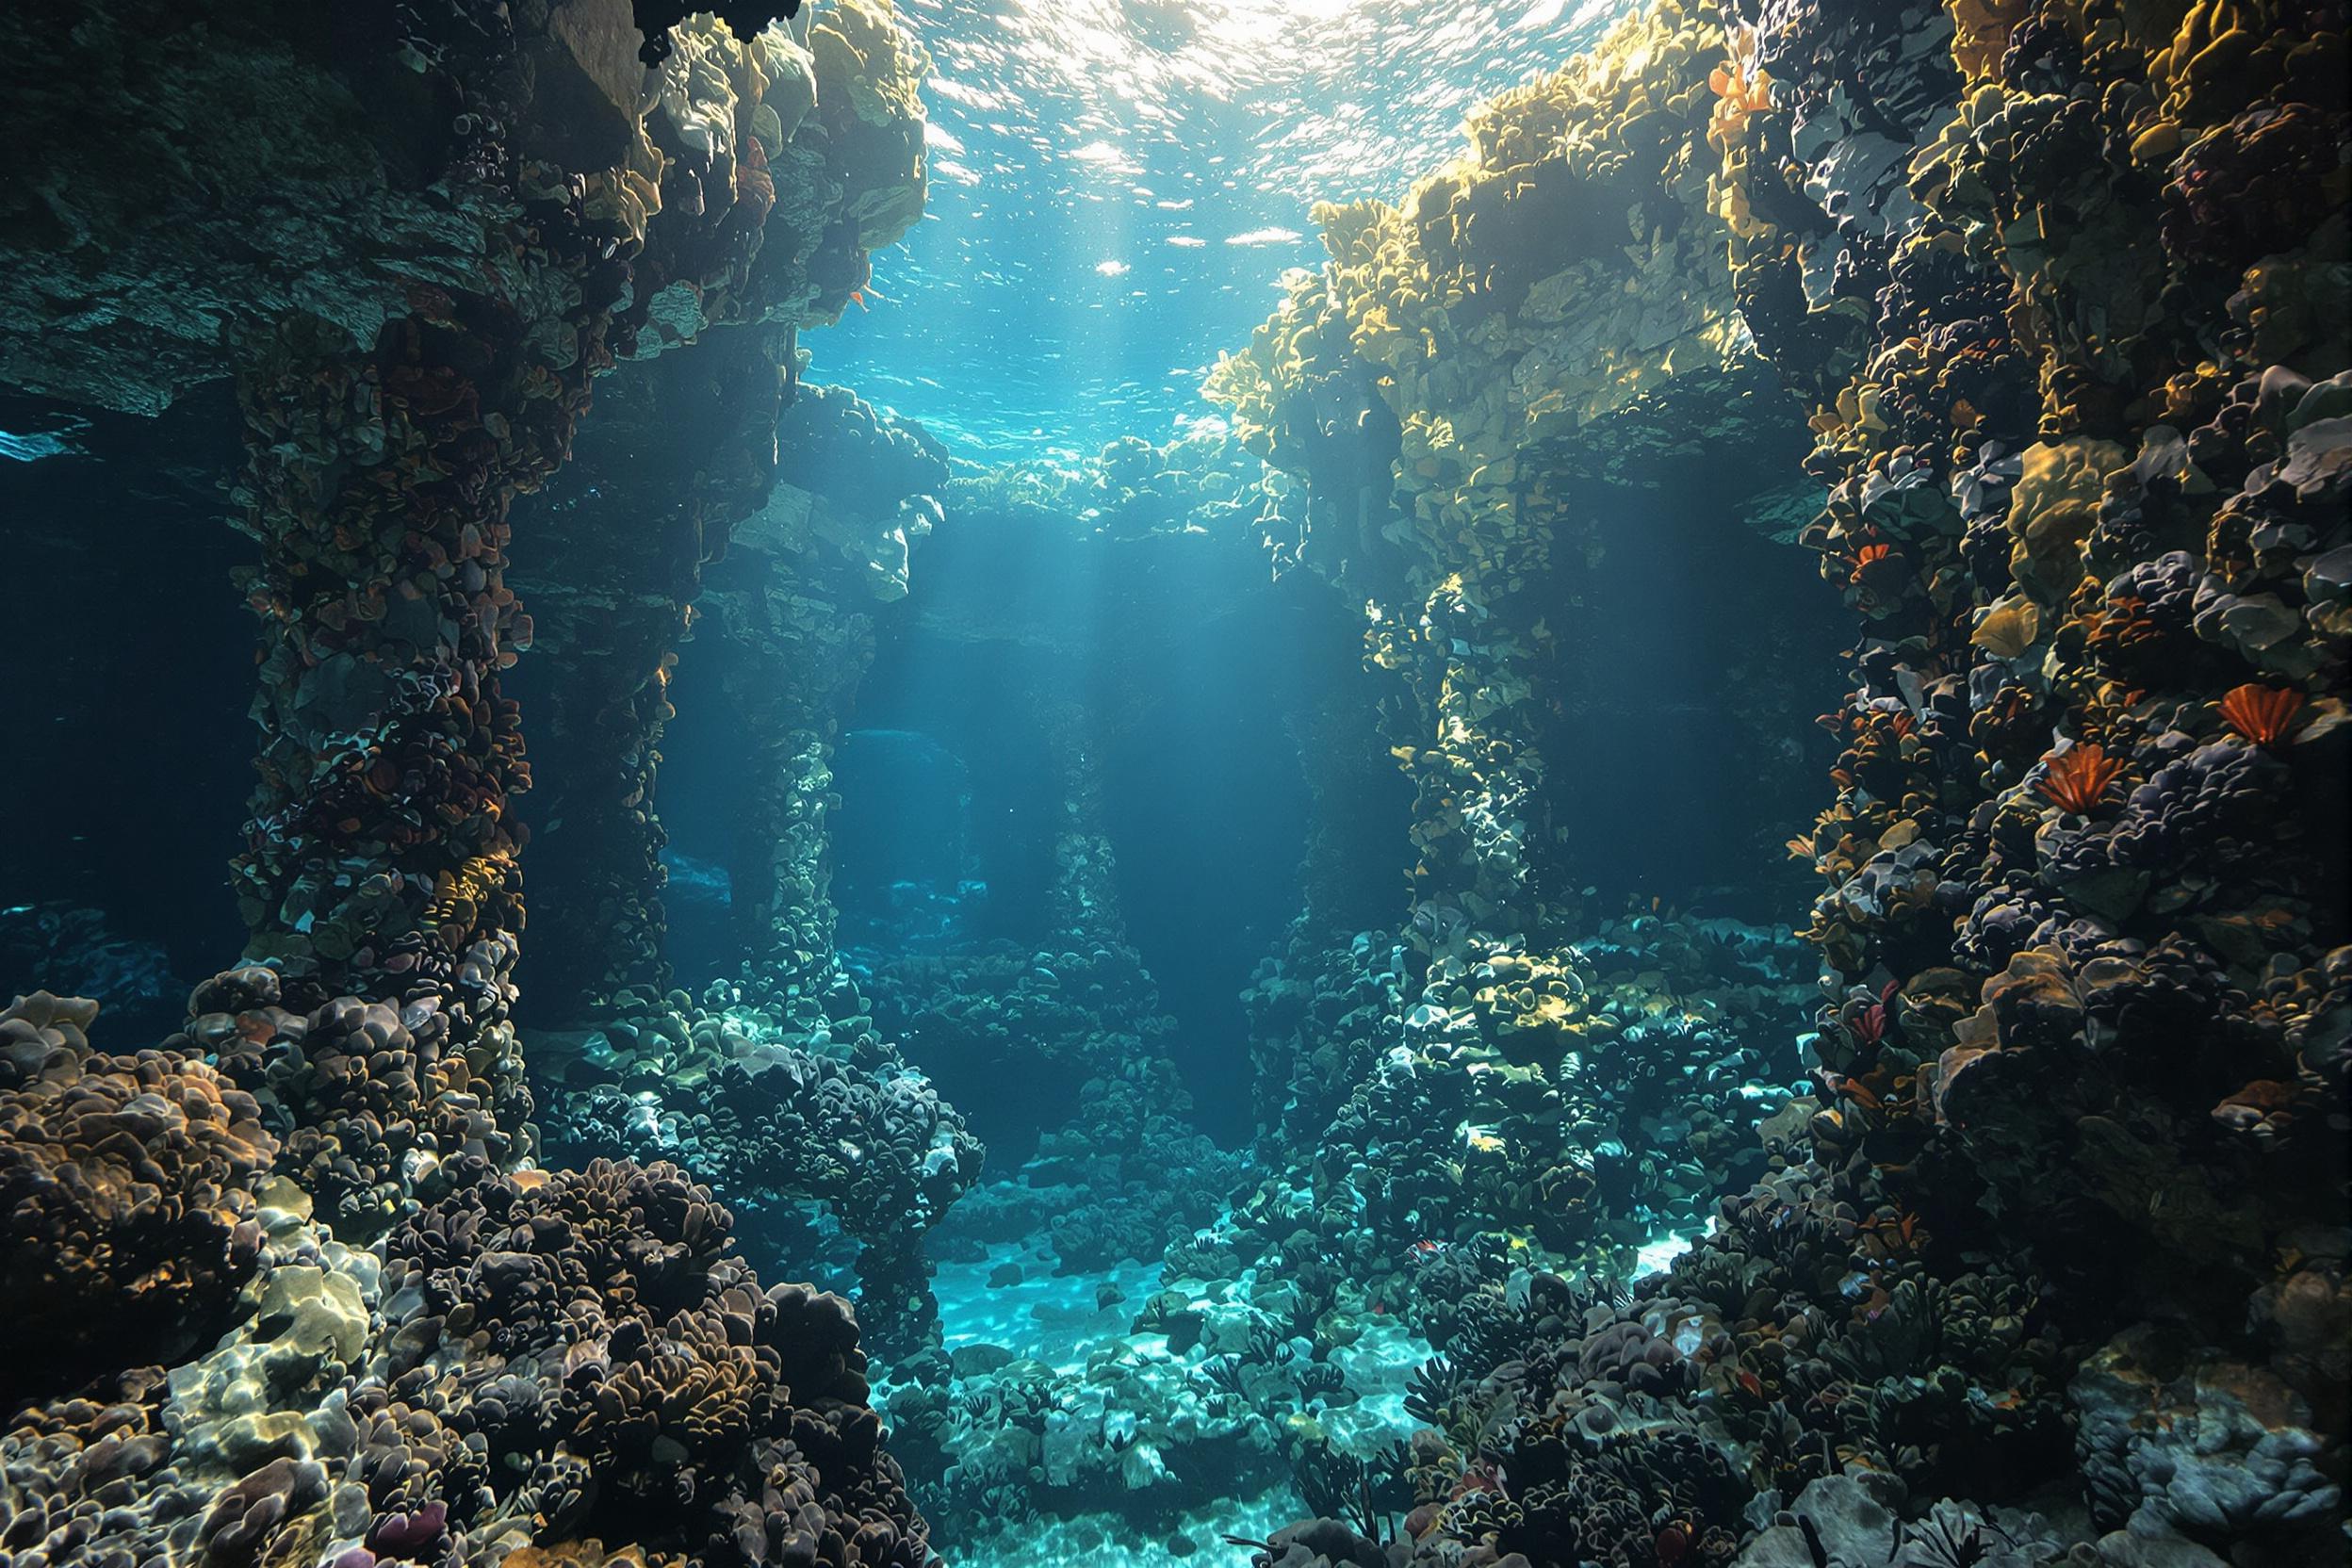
[380, 862]
[1433, 383]
[796, 670]
[1473, 663]
[796, 603]
[792, 1095]
[1083, 903]
[794, 681]
[680, 450]
[602, 918]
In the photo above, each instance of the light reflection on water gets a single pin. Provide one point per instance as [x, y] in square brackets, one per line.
[1116, 184]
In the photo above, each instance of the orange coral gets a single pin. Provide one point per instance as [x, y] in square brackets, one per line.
[2261, 714]
[2076, 777]
[1742, 89]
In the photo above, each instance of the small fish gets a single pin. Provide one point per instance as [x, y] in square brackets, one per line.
[1425, 1249]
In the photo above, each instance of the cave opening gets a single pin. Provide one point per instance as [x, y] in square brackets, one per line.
[1055, 704]
[1686, 758]
[138, 679]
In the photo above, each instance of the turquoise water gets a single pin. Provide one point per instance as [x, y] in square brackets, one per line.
[1646, 886]
[1117, 186]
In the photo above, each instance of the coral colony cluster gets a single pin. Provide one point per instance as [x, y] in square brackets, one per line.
[1968, 1190]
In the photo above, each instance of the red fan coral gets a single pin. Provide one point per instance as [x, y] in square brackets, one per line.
[2261, 714]
[2076, 776]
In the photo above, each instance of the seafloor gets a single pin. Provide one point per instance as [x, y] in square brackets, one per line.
[1669, 889]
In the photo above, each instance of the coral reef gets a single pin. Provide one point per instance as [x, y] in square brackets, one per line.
[414, 249]
[2084, 1019]
[741, 1099]
[1217, 1395]
[1136, 1433]
[1250, 1370]
[1202, 480]
[798, 610]
[1589, 1213]
[551, 1366]
[126, 1181]
[1401, 1175]
[1149, 1415]
[2064, 433]
[381, 856]
[1439, 389]
[677, 1404]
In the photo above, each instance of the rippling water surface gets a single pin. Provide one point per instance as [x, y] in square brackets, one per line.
[1118, 184]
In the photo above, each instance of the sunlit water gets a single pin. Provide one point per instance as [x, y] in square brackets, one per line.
[1118, 184]
[1117, 187]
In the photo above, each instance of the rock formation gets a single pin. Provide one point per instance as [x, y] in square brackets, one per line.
[2084, 1012]
[413, 237]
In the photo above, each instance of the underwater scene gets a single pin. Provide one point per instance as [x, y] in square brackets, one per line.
[1117, 783]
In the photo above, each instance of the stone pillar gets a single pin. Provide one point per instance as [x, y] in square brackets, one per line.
[381, 859]
[798, 658]
[679, 450]
[1084, 903]
[1431, 385]
[794, 606]
[601, 904]
[797, 604]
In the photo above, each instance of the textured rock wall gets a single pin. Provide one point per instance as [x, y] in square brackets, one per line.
[1546, 315]
[2062, 1222]
[2071, 313]
[475, 213]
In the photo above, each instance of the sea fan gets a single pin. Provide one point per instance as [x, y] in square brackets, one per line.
[2076, 776]
[2261, 714]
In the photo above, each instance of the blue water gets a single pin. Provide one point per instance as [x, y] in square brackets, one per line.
[1118, 186]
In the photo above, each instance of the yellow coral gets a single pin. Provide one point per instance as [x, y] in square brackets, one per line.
[459, 898]
[1980, 34]
[863, 52]
[869, 75]
[2056, 504]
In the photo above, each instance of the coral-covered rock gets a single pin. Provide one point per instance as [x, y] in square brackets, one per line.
[126, 1182]
[743, 1104]
[92, 1472]
[2197, 1444]
[593, 1332]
